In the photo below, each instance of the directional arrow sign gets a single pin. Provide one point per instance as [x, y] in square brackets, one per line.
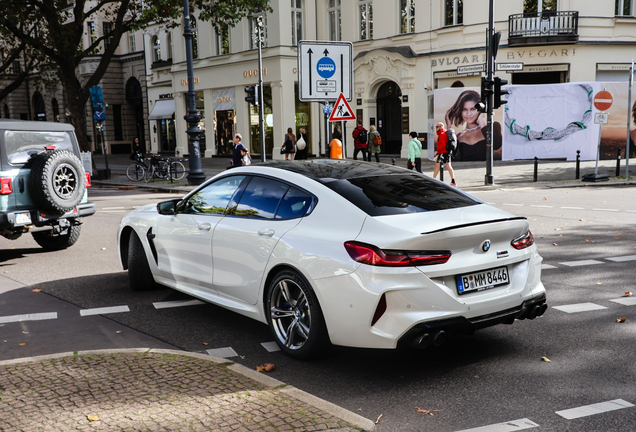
[325, 70]
[342, 110]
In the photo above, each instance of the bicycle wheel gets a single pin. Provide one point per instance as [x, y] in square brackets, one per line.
[177, 170]
[149, 173]
[162, 169]
[135, 172]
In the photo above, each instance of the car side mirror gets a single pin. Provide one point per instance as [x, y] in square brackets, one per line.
[168, 207]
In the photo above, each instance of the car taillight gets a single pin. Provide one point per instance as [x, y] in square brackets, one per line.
[88, 179]
[523, 241]
[5, 186]
[372, 255]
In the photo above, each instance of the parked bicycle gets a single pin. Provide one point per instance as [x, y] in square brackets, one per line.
[176, 169]
[155, 166]
[137, 170]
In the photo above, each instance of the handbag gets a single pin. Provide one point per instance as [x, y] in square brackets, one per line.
[301, 144]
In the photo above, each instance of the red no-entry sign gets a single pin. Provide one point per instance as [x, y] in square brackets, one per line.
[603, 100]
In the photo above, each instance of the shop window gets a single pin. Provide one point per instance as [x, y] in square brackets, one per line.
[407, 16]
[297, 21]
[623, 8]
[334, 20]
[268, 117]
[453, 12]
[223, 39]
[365, 8]
[254, 31]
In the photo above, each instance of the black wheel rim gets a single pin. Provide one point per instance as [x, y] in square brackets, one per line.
[65, 181]
[290, 314]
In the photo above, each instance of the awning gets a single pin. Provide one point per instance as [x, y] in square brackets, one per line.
[163, 109]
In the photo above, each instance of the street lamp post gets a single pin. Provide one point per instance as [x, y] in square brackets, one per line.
[261, 107]
[195, 173]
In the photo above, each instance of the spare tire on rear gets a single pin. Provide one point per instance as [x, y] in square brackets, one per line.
[57, 181]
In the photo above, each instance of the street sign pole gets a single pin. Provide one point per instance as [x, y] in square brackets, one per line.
[489, 178]
[327, 140]
[261, 102]
[629, 116]
[602, 101]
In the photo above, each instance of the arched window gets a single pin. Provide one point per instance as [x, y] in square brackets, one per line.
[195, 37]
[334, 20]
[297, 21]
[156, 47]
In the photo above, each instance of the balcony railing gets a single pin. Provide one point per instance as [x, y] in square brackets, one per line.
[543, 28]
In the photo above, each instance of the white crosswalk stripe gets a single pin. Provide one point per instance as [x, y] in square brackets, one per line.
[579, 307]
[580, 263]
[510, 426]
[593, 409]
[104, 310]
[28, 317]
[222, 352]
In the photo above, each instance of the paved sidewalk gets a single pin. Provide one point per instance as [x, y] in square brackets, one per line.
[156, 390]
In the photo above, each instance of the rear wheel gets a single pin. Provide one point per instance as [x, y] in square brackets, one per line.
[53, 242]
[177, 170]
[135, 172]
[294, 316]
[162, 170]
[139, 275]
[150, 171]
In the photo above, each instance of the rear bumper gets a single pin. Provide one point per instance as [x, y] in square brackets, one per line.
[42, 218]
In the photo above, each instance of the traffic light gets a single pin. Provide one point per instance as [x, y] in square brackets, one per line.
[486, 91]
[252, 92]
[499, 92]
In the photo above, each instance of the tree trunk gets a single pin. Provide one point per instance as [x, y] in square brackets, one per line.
[75, 102]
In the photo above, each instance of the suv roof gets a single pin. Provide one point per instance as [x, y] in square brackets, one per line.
[30, 125]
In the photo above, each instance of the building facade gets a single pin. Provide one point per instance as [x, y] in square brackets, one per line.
[403, 49]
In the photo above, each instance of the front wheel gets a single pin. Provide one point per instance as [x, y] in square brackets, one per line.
[139, 275]
[135, 172]
[177, 170]
[54, 242]
[294, 316]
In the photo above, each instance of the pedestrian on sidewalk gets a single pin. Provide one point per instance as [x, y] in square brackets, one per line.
[442, 156]
[245, 157]
[359, 141]
[415, 153]
[237, 159]
[375, 141]
[289, 145]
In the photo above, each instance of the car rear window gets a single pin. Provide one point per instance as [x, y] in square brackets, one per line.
[397, 194]
[20, 145]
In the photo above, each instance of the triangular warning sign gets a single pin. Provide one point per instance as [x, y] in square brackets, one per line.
[342, 111]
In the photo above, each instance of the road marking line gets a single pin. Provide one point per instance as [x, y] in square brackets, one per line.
[613, 210]
[573, 208]
[547, 266]
[176, 303]
[579, 307]
[112, 211]
[514, 205]
[271, 346]
[622, 258]
[592, 409]
[28, 317]
[580, 263]
[511, 426]
[626, 301]
[113, 208]
[222, 352]
[542, 206]
[104, 310]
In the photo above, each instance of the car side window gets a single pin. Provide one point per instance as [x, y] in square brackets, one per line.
[295, 204]
[214, 198]
[261, 198]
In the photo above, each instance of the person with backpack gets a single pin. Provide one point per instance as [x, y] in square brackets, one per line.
[375, 141]
[442, 155]
[360, 141]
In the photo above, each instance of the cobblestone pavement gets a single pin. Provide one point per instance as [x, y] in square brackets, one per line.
[155, 390]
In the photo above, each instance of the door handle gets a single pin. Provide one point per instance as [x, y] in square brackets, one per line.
[266, 232]
[204, 227]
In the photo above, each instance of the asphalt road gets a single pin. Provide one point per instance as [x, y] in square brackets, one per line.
[587, 237]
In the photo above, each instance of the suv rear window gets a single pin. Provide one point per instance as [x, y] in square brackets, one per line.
[20, 145]
[398, 194]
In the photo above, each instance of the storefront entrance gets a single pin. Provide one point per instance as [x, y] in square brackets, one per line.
[389, 103]
[224, 131]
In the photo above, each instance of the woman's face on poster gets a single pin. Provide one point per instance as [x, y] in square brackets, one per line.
[470, 113]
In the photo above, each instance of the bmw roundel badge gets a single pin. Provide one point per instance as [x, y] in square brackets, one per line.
[485, 246]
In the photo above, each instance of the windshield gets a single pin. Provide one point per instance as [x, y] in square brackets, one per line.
[20, 145]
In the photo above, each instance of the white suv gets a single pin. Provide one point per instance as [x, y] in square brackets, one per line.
[42, 183]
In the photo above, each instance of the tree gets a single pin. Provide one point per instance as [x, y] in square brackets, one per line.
[54, 29]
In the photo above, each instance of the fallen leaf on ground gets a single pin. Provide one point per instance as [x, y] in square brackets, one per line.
[554, 244]
[205, 343]
[428, 412]
[628, 294]
[378, 419]
[92, 418]
[103, 248]
[118, 331]
[545, 359]
[620, 320]
[36, 290]
[22, 344]
[599, 283]
[267, 367]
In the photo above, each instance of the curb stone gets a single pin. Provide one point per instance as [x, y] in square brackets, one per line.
[356, 422]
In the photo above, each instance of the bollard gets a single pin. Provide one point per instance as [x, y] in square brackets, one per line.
[441, 172]
[536, 168]
[393, 161]
[618, 162]
[578, 164]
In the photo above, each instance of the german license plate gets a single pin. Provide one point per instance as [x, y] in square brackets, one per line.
[22, 218]
[482, 280]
